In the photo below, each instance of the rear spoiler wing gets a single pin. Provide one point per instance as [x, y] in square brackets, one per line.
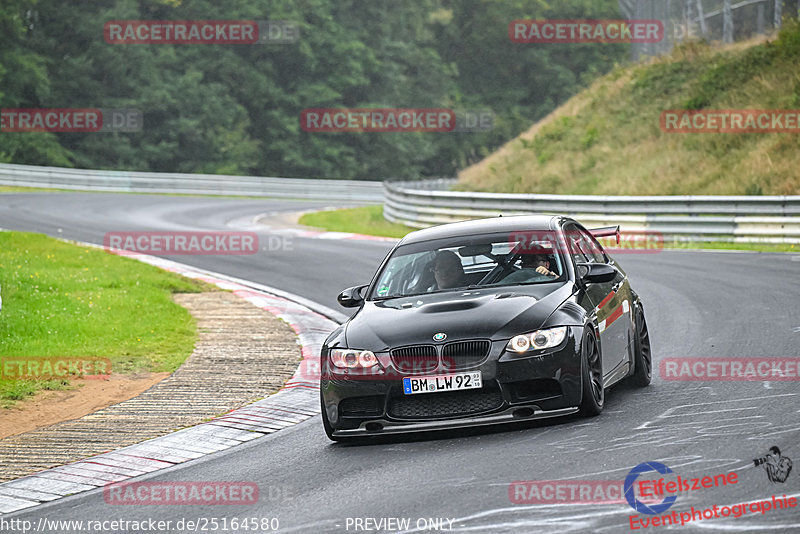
[606, 231]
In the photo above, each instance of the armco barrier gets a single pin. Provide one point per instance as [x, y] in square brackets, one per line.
[773, 219]
[202, 184]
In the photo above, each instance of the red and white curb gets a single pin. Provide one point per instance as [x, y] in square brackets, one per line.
[297, 401]
[321, 234]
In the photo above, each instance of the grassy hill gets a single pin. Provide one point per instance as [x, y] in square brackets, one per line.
[608, 140]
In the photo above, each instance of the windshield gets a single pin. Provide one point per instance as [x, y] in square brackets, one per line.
[467, 262]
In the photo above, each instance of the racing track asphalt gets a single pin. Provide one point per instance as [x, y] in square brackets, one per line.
[698, 304]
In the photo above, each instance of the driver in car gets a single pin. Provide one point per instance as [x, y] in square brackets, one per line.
[534, 267]
[448, 271]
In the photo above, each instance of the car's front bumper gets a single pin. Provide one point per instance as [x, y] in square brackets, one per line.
[515, 388]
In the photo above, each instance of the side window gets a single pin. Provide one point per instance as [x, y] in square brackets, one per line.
[575, 245]
[594, 249]
[583, 247]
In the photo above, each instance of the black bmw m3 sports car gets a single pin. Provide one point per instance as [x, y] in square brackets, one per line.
[484, 322]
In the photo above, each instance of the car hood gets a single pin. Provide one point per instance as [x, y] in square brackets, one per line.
[490, 313]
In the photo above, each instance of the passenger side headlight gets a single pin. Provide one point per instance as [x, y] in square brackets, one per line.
[540, 339]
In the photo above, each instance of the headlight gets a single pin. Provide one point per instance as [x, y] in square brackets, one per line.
[541, 339]
[351, 358]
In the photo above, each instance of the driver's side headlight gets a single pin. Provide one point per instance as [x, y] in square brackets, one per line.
[540, 339]
[352, 358]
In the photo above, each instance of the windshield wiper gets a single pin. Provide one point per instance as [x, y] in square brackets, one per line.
[387, 297]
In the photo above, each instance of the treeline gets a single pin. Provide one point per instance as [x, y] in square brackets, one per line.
[235, 109]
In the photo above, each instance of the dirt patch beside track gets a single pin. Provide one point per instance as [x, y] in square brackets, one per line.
[242, 354]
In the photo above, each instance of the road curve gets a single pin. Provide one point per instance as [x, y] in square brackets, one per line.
[699, 304]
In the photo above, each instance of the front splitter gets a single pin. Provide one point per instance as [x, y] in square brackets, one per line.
[382, 427]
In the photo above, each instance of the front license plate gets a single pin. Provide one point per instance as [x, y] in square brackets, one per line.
[436, 384]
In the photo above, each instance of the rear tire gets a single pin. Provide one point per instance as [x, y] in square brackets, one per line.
[593, 393]
[642, 355]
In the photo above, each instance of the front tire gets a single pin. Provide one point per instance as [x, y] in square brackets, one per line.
[642, 355]
[593, 393]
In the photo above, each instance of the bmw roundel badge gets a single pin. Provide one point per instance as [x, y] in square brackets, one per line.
[441, 336]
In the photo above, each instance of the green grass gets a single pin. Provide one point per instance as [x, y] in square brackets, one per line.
[14, 390]
[607, 140]
[725, 245]
[20, 189]
[367, 220]
[66, 300]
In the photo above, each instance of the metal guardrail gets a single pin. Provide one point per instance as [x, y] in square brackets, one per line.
[421, 204]
[774, 219]
[202, 184]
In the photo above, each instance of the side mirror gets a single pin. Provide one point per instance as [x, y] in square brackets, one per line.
[351, 297]
[596, 272]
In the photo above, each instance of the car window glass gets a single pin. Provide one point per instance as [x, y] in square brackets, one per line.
[583, 246]
[469, 261]
[592, 247]
[575, 245]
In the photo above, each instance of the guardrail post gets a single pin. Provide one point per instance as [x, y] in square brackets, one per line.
[727, 22]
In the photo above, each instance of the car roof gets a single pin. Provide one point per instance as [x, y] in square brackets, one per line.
[513, 223]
